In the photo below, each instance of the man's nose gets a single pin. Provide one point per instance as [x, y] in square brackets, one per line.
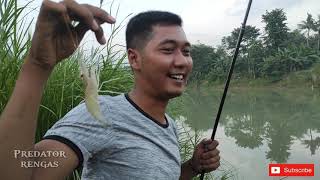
[181, 60]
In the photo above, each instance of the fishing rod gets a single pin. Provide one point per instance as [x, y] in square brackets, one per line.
[226, 87]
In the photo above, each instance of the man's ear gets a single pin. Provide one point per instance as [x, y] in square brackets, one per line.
[134, 58]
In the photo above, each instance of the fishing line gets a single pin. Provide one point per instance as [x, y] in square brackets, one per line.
[235, 55]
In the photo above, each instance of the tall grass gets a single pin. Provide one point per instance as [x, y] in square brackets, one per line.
[184, 110]
[14, 40]
[188, 139]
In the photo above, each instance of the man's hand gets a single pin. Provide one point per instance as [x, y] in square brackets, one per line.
[55, 38]
[206, 156]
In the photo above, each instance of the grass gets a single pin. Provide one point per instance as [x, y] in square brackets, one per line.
[15, 40]
[188, 139]
[181, 109]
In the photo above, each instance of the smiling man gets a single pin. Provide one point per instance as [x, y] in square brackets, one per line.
[142, 140]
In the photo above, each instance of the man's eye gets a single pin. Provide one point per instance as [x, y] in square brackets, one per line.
[186, 52]
[167, 50]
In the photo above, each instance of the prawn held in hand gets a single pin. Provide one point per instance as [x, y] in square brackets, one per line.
[91, 80]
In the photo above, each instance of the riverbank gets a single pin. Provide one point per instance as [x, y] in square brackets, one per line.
[300, 79]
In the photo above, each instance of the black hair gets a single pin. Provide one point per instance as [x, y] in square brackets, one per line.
[139, 28]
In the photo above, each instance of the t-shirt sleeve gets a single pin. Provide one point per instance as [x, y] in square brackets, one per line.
[81, 132]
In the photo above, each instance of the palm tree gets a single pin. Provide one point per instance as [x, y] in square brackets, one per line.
[308, 25]
[316, 28]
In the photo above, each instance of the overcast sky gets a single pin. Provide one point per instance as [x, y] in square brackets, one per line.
[207, 21]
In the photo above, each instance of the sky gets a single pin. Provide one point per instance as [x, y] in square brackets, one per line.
[205, 21]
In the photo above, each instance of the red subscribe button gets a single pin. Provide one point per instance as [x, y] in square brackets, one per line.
[291, 169]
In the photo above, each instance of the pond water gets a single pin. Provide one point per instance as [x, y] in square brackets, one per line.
[257, 127]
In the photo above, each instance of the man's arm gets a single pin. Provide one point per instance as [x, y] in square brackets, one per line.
[187, 171]
[54, 39]
[19, 118]
[64, 164]
[205, 158]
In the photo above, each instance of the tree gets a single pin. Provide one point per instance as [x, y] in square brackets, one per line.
[307, 25]
[316, 28]
[287, 60]
[220, 66]
[276, 29]
[203, 58]
[255, 59]
[250, 36]
[245, 63]
[296, 38]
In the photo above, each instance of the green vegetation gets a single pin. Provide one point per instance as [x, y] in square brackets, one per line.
[274, 57]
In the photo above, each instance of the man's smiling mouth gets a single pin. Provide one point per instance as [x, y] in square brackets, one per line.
[180, 77]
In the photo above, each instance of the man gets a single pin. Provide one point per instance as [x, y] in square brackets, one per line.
[141, 142]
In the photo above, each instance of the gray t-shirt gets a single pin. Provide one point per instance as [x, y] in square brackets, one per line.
[135, 146]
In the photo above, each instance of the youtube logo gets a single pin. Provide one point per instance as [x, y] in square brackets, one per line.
[291, 169]
[275, 170]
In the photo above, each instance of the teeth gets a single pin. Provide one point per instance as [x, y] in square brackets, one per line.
[179, 77]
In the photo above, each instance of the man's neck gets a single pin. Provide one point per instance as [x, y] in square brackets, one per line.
[149, 104]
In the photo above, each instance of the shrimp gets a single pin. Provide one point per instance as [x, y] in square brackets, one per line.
[91, 80]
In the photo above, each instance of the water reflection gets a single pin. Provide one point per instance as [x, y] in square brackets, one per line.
[242, 128]
[256, 117]
[313, 144]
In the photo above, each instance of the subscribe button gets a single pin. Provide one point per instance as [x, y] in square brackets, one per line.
[291, 169]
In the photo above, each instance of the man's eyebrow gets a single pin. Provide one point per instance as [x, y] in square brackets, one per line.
[171, 41]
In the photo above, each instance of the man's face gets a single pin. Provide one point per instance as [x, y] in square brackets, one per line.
[165, 62]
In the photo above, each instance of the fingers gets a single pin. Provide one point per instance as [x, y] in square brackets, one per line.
[80, 12]
[51, 6]
[211, 161]
[81, 29]
[210, 158]
[100, 36]
[90, 17]
[209, 144]
[210, 167]
[101, 17]
[100, 14]
[210, 154]
[50, 11]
